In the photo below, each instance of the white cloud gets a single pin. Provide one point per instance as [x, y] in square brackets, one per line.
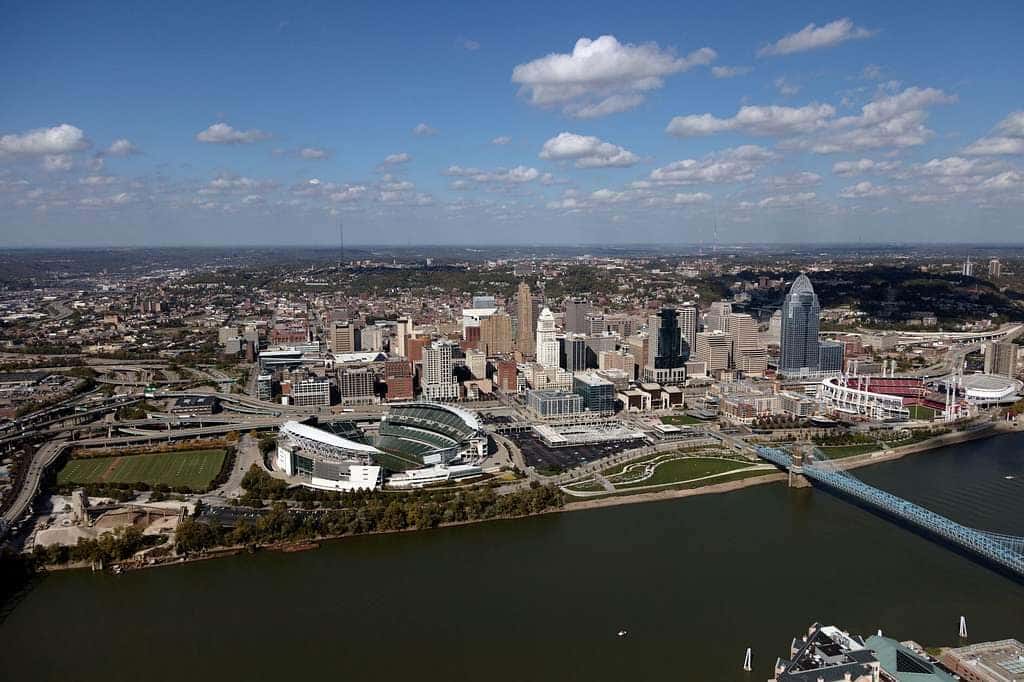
[314, 153]
[587, 151]
[847, 168]
[729, 166]
[471, 45]
[755, 120]
[226, 184]
[57, 162]
[222, 133]
[501, 139]
[729, 71]
[801, 179]
[61, 139]
[864, 190]
[396, 159]
[424, 130]
[871, 72]
[506, 176]
[122, 147]
[1008, 140]
[785, 87]
[787, 200]
[690, 198]
[813, 37]
[602, 76]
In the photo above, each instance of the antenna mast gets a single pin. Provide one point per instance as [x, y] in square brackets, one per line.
[341, 241]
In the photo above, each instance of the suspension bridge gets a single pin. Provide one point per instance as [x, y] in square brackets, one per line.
[1005, 551]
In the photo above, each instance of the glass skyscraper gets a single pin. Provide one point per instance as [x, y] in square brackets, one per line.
[801, 315]
[670, 353]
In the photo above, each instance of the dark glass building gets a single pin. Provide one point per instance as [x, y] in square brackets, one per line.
[672, 351]
[801, 315]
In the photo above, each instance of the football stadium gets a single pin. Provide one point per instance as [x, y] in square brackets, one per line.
[421, 442]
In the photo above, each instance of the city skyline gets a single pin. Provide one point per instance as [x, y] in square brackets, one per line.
[611, 126]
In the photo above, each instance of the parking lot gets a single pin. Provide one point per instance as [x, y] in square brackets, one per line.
[546, 459]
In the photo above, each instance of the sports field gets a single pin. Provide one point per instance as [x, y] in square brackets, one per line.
[921, 412]
[680, 420]
[193, 469]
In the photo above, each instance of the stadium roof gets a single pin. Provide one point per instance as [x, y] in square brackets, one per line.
[327, 438]
[468, 418]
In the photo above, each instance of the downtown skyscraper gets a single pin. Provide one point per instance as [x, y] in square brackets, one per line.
[801, 315]
[524, 320]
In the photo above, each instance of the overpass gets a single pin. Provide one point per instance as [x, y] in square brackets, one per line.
[1004, 551]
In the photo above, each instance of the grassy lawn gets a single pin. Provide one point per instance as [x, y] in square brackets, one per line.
[921, 412]
[681, 470]
[680, 420]
[840, 451]
[587, 486]
[193, 469]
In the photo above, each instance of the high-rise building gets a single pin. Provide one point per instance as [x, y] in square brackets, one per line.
[547, 344]
[747, 353]
[968, 268]
[371, 338]
[773, 337]
[342, 338]
[717, 318]
[831, 356]
[403, 327]
[598, 394]
[689, 318]
[414, 348]
[573, 352]
[496, 334]
[801, 314]
[312, 391]
[995, 268]
[355, 386]
[524, 320]
[484, 301]
[667, 353]
[398, 376]
[438, 377]
[1001, 358]
[508, 376]
[576, 316]
[476, 363]
[713, 350]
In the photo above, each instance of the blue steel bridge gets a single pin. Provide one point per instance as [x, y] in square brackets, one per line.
[1005, 551]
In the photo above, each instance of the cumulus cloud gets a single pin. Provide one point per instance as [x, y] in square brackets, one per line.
[57, 162]
[471, 45]
[814, 37]
[122, 147]
[222, 133]
[1008, 138]
[424, 130]
[60, 139]
[729, 166]
[691, 198]
[505, 176]
[729, 71]
[801, 179]
[501, 139]
[861, 166]
[314, 153]
[396, 159]
[602, 76]
[587, 151]
[755, 120]
[227, 184]
[864, 190]
[785, 87]
[787, 200]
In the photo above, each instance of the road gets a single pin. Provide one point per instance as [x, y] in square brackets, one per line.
[41, 459]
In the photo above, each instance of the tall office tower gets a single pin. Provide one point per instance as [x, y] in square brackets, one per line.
[968, 269]
[748, 354]
[496, 334]
[688, 318]
[1001, 358]
[398, 376]
[576, 312]
[713, 350]
[573, 352]
[547, 344]
[355, 386]
[524, 320]
[773, 337]
[508, 375]
[438, 378]
[371, 338]
[403, 327]
[667, 355]
[995, 268]
[342, 338]
[414, 348]
[484, 301]
[717, 318]
[831, 355]
[800, 321]
[476, 362]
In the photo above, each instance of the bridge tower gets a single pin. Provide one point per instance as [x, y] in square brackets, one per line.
[801, 453]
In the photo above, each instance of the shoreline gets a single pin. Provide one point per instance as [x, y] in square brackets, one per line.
[854, 462]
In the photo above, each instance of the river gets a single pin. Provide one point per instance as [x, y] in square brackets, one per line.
[694, 582]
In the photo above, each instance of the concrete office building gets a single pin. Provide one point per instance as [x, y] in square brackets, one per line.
[801, 315]
[476, 362]
[312, 391]
[484, 301]
[689, 319]
[496, 334]
[717, 318]
[342, 337]
[713, 350]
[264, 386]
[577, 314]
[524, 320]
[546, 343]
[1001, 358]
[438, 378]
[995, 268]
[552, 403]
[356, 386]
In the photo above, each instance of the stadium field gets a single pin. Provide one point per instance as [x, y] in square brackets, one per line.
[193, 469]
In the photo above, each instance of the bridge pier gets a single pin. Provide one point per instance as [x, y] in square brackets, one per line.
[796, 478]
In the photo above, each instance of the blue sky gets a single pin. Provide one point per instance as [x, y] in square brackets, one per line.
[259, 123]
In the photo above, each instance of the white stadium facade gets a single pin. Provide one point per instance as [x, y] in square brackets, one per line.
[419, 443]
